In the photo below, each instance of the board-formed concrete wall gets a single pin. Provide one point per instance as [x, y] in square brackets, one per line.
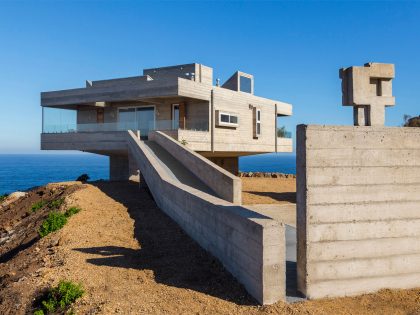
[249, 245]
[358, 209]
[223, 183]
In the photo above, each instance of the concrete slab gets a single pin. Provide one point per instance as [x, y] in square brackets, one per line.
[284, 213]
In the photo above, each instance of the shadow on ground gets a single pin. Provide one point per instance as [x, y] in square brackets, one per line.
[278, 196]
[174, 257]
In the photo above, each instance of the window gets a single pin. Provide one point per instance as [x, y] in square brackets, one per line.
[257, 122]
[224, 119]
[245, 84]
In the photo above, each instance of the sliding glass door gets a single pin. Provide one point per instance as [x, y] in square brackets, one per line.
[137, 118]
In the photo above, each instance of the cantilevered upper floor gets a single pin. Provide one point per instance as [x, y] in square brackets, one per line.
[215, 120]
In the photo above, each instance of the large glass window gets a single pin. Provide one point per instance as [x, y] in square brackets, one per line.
[245, 84]
[137, 118]
[58, 120]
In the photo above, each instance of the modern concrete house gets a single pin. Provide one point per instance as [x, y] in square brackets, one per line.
[221, 123]
[183, 136]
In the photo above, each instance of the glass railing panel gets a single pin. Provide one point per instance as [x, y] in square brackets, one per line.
[283, 133]
[123, 126]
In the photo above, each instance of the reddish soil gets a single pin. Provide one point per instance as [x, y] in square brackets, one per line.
[261, 190]
[132, 259]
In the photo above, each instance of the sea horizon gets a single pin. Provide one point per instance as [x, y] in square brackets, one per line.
[23, 171]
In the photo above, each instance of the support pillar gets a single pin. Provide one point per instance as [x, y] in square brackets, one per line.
[118, 167]
[230, 164]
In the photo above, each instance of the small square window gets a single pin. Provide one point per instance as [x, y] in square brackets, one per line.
[245, 84]
[224, 118]
[233, 119]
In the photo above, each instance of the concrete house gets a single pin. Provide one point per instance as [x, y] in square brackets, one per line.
[220, 122]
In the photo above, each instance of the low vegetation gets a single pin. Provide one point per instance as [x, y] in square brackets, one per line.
[3, 197]
[283, 133]
[56, 204]
[83, 178]
[73, 210]
[56, 220]
[59, 298]
[411, 121]
[52, 223]
[38, 205]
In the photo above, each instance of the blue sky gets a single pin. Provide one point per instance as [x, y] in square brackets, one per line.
[294, 50]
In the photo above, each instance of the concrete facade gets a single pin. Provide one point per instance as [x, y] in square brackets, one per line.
[200, 108]
[358, 209]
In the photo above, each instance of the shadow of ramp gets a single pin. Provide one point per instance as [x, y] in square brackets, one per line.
[174, 258]
[278, 196]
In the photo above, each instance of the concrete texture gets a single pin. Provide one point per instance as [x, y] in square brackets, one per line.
[284, 213]
[358, 218]
[249, 245]
[368, 89]
[190, 87]
[226, 185]
[118, 167]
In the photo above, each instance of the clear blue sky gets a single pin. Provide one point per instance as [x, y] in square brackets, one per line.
[294, 50]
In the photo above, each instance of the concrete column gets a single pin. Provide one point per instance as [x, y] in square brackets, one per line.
[231, 164]
[133, 170]
[118, 167]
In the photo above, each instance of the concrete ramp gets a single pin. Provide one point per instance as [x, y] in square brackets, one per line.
[174, 169]
[250, 246]
[226, 185]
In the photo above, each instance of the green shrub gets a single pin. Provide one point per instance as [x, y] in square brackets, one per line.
[73, 210]
[2, 197]
[38, 205]
[60, 297]
[56, 204]
[52, 223]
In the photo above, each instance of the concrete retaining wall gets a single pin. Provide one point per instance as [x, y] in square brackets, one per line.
[249, 245]
[223, 183]
[358, 205]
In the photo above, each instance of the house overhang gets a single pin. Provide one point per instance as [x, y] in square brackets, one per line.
[99, 93]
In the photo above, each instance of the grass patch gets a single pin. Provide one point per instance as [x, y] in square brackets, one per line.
[52, 223]
[59, 298]
[56, 220]
[3, 197]
[70, 211]
[56, 204]
[38, 205]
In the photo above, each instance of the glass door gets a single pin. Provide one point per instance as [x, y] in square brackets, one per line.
[145, 118]
[126, 118]
[175, 116]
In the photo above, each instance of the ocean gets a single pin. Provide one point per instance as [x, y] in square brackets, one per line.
[24, 171]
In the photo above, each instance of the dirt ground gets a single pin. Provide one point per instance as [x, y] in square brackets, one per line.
[132, 259]
[260, 190]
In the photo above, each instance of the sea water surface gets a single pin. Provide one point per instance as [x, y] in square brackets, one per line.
[24, 171]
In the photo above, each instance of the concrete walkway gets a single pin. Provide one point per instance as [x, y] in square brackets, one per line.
[175, 169]
[285, 213]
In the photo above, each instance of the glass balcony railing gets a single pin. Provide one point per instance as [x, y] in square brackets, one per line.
[124, 126]
[283, 133]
